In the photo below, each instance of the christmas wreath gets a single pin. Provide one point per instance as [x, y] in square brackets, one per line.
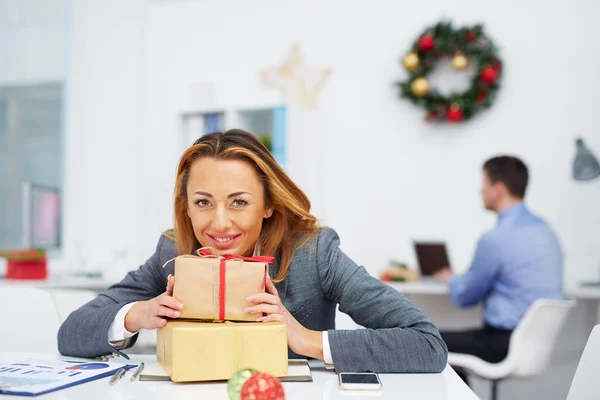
[464, 45]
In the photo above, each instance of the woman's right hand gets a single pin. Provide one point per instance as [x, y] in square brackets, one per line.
[150, 314]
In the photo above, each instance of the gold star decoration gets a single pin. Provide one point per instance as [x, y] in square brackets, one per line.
[297, 82]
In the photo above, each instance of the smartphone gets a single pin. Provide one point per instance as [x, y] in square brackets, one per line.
[359, 381]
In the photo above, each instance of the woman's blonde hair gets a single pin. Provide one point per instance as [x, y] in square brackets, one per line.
[291, 224]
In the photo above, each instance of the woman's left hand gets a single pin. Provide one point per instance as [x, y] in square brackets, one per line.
[300, 340]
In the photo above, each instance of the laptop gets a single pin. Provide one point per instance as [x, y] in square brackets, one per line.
[431, 257]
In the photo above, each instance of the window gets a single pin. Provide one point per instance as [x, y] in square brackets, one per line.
[30, 153]
[34, 59]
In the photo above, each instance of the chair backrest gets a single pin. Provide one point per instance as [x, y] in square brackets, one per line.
[30, 321]
[534, 338]
[586, 385]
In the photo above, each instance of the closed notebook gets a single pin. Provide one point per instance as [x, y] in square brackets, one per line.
[298, 371]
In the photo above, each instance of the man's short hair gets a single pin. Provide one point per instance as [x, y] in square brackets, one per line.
[509, 170]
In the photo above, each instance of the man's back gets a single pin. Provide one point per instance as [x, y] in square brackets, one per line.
[516, 263]
[530, 267]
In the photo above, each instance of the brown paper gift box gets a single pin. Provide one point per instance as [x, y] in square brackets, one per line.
[203, 351]
[217, 288]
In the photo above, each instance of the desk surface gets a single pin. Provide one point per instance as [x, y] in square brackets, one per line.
[421, 287]
[59, 282]
[432, 287]
[446, 385]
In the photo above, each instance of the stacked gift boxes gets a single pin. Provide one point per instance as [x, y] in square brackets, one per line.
[213, 337]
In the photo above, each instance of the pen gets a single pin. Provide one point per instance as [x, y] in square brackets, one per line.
[118, 375]
[137, 371]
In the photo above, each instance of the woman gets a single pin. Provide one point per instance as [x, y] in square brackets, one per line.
[232, 195]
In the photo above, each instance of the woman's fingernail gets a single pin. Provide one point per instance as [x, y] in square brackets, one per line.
[177, 314]
[249, 309]
[179, 305]
[261, 319]
[251, 298]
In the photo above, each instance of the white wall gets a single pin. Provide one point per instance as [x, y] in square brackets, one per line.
[33, 37]
[389, 176]
[105, 136]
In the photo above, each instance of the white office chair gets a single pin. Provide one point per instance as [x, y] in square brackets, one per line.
[29, 320]
[586, 385]
[530, 346]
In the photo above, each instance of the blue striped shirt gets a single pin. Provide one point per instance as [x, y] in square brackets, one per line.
[516, 263]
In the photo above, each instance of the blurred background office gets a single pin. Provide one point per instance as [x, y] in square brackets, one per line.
[98, 98]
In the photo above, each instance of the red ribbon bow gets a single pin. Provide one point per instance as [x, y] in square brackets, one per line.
[207, 253]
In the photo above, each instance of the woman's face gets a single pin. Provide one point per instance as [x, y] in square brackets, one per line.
[226, 204]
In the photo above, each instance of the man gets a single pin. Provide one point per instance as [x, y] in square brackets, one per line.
[515, 264]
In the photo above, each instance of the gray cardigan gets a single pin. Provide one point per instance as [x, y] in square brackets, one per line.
[398, 338]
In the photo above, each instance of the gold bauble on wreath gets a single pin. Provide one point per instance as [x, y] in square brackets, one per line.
[419, 87]
[459, 62]
[411, 61]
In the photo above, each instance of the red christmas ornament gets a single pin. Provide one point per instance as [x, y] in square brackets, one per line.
[471, 36]
[454, 114]
[489, 75]
[262, 386]
[426, 43]
[481, 97]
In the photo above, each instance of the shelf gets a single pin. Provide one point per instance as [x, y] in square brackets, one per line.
[267, 122]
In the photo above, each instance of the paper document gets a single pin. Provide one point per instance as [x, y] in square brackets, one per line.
[34, 377]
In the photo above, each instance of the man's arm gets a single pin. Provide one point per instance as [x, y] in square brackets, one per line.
[469, 289]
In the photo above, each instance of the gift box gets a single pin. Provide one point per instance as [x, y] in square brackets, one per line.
[191, 351]
[25, 264]
[212, 287]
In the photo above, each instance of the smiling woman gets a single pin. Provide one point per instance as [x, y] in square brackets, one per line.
[222, 215]
[231, 194]
[229, 188]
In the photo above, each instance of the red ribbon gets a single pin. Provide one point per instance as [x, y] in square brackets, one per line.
[222, 288]
[223, 270]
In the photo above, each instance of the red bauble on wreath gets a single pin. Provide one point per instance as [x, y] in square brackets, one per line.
[466, 45]
[426, 43]
[454, 114]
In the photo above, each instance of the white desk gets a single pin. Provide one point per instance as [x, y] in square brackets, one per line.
[433, 287]
[431, 296]
[422, 291]
[421, 287]
[60, 282]
[446, 385]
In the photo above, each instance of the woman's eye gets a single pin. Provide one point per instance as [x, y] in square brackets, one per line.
[203, 203]
[240, 203]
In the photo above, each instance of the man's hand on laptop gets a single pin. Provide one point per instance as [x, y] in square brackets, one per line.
[444, 274]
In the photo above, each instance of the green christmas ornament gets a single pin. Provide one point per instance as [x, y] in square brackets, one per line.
[237, 380]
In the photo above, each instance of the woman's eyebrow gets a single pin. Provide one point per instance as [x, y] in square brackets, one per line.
[236, 194]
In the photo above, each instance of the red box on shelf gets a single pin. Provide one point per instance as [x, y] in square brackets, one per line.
[25, 263]
[26, 269]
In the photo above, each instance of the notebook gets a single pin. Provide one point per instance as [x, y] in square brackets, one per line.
[32, 377]
[298, 371]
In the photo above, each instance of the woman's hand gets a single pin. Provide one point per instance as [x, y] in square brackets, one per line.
[150, 314]
[301, 340]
